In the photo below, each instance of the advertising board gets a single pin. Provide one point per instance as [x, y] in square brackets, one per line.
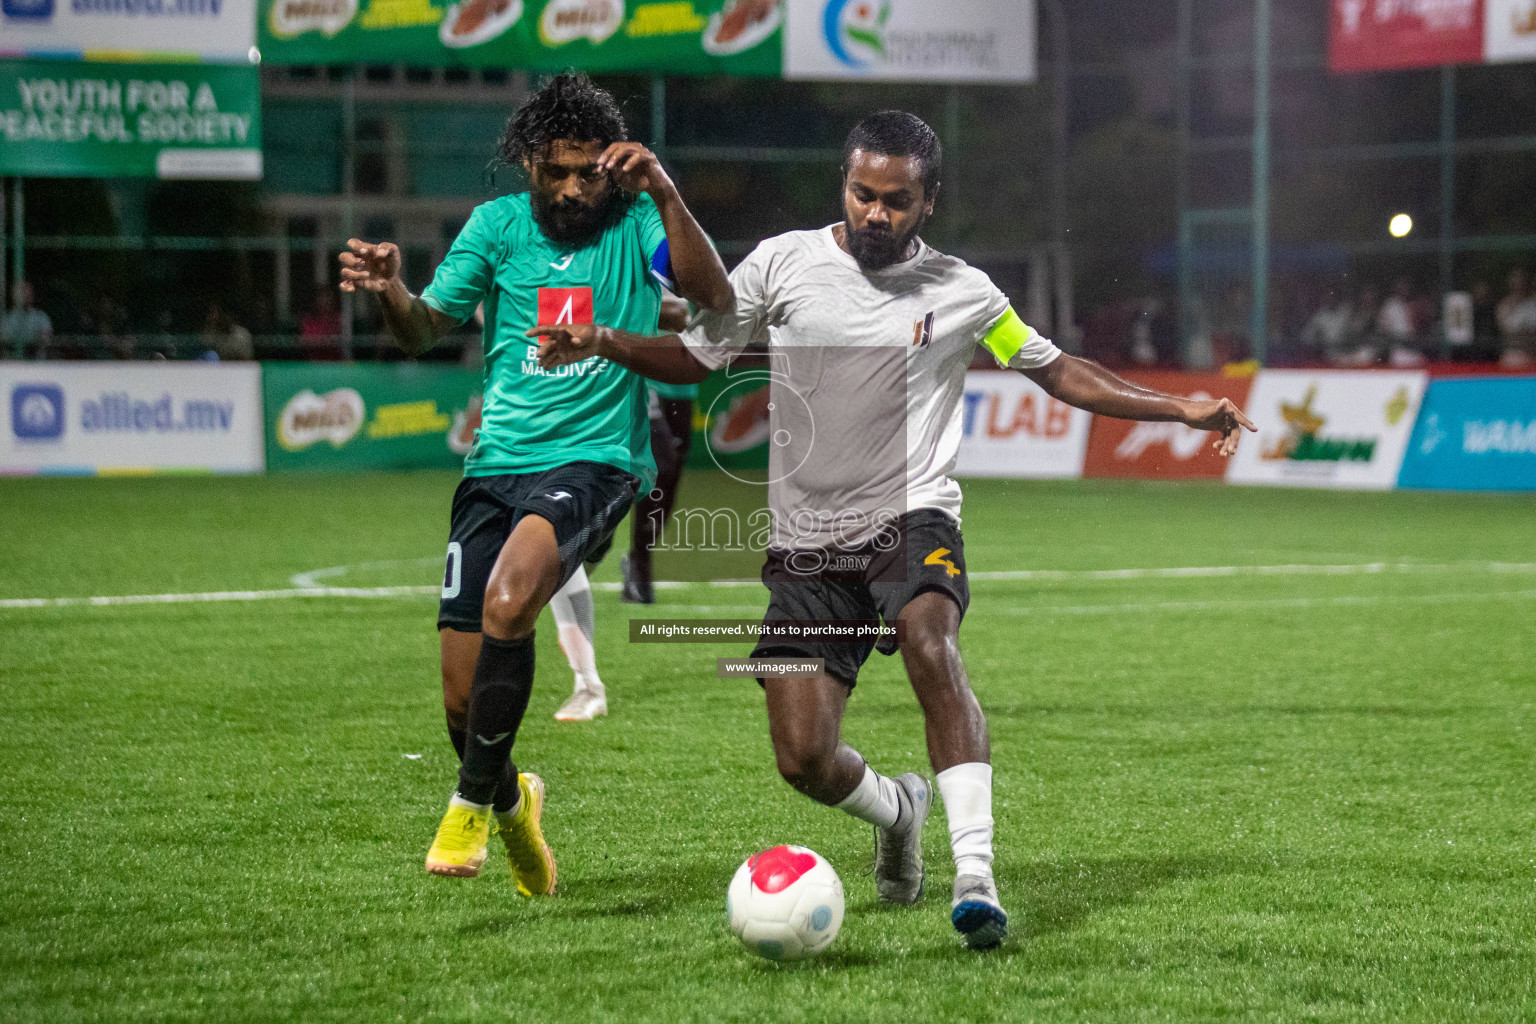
[212, 30]
[1012, 428]
[898, 40]
[365, 416]
[1473, 435]
[70, 119]
[1346, 429]
[911, 40]
[1163, 451]
[83, 419]
[1370, 35]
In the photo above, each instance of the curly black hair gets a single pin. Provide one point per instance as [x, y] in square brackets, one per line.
[568, 106]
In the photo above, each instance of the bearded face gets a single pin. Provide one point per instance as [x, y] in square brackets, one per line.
[877, 246]
[573, 199]
[573, 222]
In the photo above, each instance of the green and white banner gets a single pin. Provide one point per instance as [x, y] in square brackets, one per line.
[736, 37]
[366, 416]
[71, 119]
[905, 40]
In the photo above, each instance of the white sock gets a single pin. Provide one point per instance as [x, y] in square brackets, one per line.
[459, 801]
[572, 608]
[967, 792]
[874, 800]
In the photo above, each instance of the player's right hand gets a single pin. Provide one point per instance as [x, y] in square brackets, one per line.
[368, 266]
[561, 344]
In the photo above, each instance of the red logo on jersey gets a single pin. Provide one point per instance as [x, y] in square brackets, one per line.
[565, 306]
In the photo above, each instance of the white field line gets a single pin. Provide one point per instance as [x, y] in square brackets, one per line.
[1303, 569]
[217, 595]
[311, 580]
[1054, 575]
[984, 608]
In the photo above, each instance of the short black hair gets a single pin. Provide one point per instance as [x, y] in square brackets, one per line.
[568, 106]
[898, 133]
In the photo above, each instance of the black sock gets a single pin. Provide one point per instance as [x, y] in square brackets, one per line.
[506, 790]
[498, 699]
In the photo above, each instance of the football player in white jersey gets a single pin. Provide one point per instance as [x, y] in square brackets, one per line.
[869, 333]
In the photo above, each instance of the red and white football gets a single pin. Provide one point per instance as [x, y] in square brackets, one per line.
[785, 903]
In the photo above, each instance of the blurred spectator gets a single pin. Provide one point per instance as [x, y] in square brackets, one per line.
[1230, 323]
[1327, 335]
[162, 343]
[1520, 343]
[25, 326]
[1517, 293]
[1485, 327]
[1395, 322]
[1362, 344]
[107, 321]
[1154, 335]
[320, 328]
[225, 338]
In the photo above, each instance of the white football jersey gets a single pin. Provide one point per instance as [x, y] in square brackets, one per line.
[868, 373]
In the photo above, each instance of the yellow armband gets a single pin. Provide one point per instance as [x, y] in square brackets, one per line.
[1007, 337]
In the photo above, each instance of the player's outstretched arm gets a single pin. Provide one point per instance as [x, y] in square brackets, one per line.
[1087, 385]
[696, 267]
[375, 268]
[663, 358]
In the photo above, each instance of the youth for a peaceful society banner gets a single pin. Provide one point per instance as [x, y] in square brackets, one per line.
[340, 416]
[907, 40]
[72, 119]
[1012, 428]
[1328, 428]
[1475, 435]
[79, 419]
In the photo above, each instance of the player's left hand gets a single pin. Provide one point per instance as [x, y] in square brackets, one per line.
[562, 344]
[1221, 415]
[634, 168]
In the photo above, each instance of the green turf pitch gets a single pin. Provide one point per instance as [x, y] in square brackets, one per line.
[1265, 796]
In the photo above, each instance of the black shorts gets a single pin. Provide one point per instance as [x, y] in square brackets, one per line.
[583, 501]
[865, 585]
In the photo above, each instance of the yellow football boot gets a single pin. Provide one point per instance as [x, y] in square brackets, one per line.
[459, 848]
[533, 864]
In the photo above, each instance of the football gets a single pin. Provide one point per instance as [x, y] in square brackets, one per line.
[785, 903]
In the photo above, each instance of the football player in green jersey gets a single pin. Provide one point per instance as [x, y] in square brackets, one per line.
[561, 453]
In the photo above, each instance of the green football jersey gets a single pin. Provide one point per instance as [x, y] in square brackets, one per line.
[533, 419]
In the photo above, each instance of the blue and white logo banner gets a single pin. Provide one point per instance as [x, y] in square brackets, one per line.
[219, 31]
[1475, 435]
[911, 40]
[80, 419]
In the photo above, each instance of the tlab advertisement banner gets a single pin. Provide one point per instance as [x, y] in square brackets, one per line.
[1122, 449]
[74, 419]
[1012, 428]
[1344, 429]
[1475, 435]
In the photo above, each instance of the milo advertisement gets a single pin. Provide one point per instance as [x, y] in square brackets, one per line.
[704, 37]
[361, 417]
